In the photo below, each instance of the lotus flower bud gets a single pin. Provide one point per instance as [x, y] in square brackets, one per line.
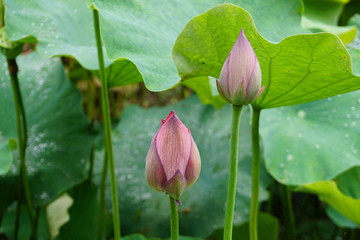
[173, 161]
[240, 77]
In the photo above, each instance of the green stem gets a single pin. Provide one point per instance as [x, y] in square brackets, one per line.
[107, 126]
[22, 139]
[101, 223]
[255, 173]
[20, 190]
[174, 219]
[17, 219]
[233, 167]
[37, 215]
[2, 13]
[287, 212]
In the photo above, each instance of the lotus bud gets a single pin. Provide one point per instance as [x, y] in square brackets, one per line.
[240, 77]
[173, 161]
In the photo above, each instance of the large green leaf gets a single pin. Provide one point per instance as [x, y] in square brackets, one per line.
[64, 28]
[145, 32]
[313, 141]
[59, 139]
[323, 16]
[299, 69]
[145, 210]
[267, 224]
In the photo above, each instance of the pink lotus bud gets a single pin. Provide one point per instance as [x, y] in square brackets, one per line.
[240, 77]
[173, 161]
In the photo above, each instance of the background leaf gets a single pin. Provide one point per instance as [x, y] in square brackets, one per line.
[57, 213]
[329, 193]
[144, 210]
[8, 220]
[59, 138]
[323, 16]
[83, 213]
[121, 72]
[314, 141]
[299, 69]
[64, 28]
[351, 8]
[204, 88]
[354, 46]
[146, 31]
[5, 156]
[349, 184]
[339, 219]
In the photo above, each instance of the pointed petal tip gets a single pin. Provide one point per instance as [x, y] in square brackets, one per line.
[262, 89]
[242, 33]
[242, 36]
[172, 112]
[260, 92]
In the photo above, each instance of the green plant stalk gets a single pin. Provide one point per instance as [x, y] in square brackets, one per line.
[107, 126]
[101, 222]
[22, 139]
[287, 212]
[2, 13]
[255, 174]
[18, 211]
[37, 214]
[233, 167]
[174, 219]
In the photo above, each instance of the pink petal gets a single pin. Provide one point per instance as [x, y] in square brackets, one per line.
[194, 165]
[154, 171]
[173, 144]
[176, 185]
